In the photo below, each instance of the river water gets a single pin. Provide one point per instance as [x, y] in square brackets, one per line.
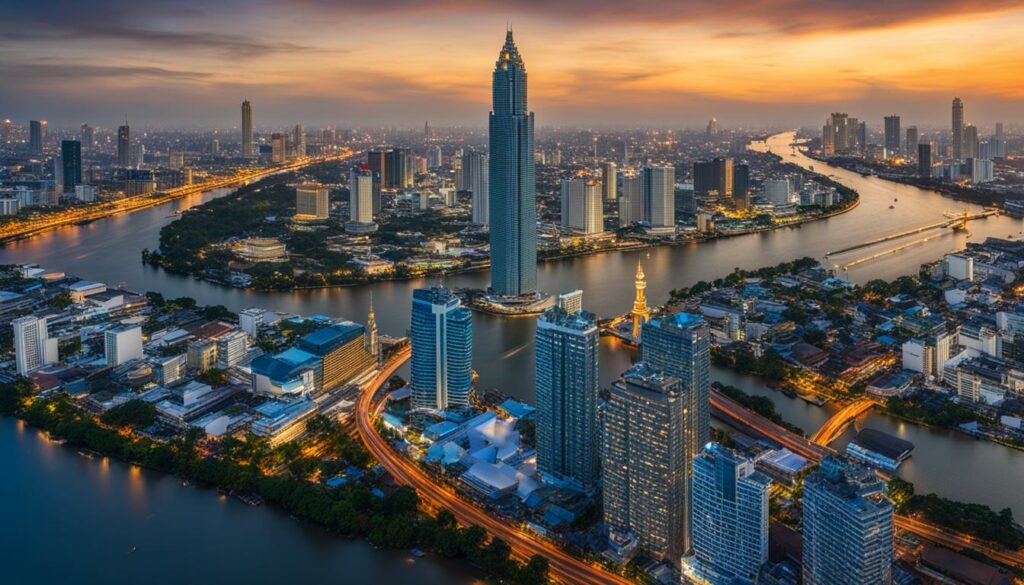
[951, 465]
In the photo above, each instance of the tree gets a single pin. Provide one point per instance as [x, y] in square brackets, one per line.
[534, 572]
[899, 491]
[215, 312]
[156, 298]
[61, 300]
[214, 377]
[134, 414]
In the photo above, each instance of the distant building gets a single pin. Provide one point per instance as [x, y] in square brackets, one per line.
[71, 161]
[279, 147]
[910, 148]
[892, 135]
[581, 206]
[958, 128]
[848, 528]
[442, 350]
[657, 187]
[631, 209]
[567, 394]
[730, 516]
[924, 160]
[248, 144]
[312, 202]
[232, 348]
[36, 136]
[262, 250]
[124, 146]
[644, 462]
[609, 181]
[122, 344]
[360, 201]
[475, 180]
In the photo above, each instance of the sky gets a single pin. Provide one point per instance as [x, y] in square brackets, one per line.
[591, 63]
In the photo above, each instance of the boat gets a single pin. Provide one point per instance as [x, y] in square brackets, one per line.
[132, 551]
[418, 553]
[86, 454]
[892, 207]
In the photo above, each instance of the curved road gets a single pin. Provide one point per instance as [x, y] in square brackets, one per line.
[834, 427]
[524, 545]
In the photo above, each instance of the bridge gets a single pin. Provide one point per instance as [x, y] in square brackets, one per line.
[834, 427]
[734, 413]
[958, 222]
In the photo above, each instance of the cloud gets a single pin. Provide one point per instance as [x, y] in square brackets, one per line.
[31, 71]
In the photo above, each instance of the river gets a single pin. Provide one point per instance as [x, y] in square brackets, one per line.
[109, 250]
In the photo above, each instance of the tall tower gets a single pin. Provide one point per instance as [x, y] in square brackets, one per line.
[958, 128]
[247, 142]
[370, 339]
[124, 146]
[513, 199]
[641, 314]
[442, 350]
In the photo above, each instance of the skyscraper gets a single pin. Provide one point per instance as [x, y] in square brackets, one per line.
[711, 133]
[741, 187]
[30, 341]
[631, 204]
[970, 141]
[729, 519]
[658, 188]
[644, 462]
[912, 138]
[278, 147]
[958, 128]
[581, 206]
[299, 140]
[513, 199]
[999, 130]
[680, 344]
[609, 182]
[475, 180]
[36, 135]
[442, 350]
[848, 532]
[376, 160]
[892, 134]
[124, 146]
[88, 136]
[360, 201]
[398, 170]
[248, 145]
[71, 163]
[567, 388]
[924, 160]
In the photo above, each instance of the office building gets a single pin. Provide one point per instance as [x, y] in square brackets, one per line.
[85, 193]
[567, 394]
[970, 141]
[729, 516]
[36, 136]
[71, 164]
[513, 198]
[658, 189]
[631, 205]
[999, 131]
[341, 352]
[122, 344]
[312, 202]
[958, 128]
[248, 142]
[741, 187]
[848, 529]
[711, 132]
[912, 141]
[32, 345]
[474, 179]
[279, 147]
[777, 191]
[201, 355]
[644, 462]
[892, 135]
[124, 146]
[299, 141]
[582, 208]
[232, 348]
[609, 181]
[442, 350]
[360, 201]
[88, 136]
[398, 168]
[376, 161]
[924, 160]
[680, 344]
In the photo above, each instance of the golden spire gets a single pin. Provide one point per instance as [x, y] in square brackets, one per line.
[641, 314]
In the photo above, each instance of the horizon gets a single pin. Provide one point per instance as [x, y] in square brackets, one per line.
[183, 64]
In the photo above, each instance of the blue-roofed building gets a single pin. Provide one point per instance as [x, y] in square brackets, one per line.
[281, 421]
[292, 372]
[343, 351]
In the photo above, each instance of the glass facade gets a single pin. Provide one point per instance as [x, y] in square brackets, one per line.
[442, 350]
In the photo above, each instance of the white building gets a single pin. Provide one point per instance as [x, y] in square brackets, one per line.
[631, 209]
[250, 321]
[360, 202]
[658, 186]
[582, 208]
[9, 206]
[32, 346]
[959, 266]
[171, 369]
[122, 344]
[85, 193]
[231, 349]
[982, 170]
[776, 191]
[475, 179]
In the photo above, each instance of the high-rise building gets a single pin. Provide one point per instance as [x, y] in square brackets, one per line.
[360, 201]
[567, 395]
[848, 530]
[970, 141]
[741, 187]
[714, 176]
[279, 147]
[312, 202]
[581, 207]
[912, 141]
[30, 344]
[924, 160]
[124, 146]
[36, 135]
[88, 136]
[892, 134]
[658, 190]
[680, 344]
[958, 128]
[376, 161]
[299, 140]
[475, 180]
[631, 204]
[6, 130]
[828, 138]
[442, 350]
[248, 143]
[999, 130]
[398, 168]
[122, 344]
[609, 181]
[729, 517]
[71, 163]
[232, 349]
[644, 462]
[513, 198]
[711, 132]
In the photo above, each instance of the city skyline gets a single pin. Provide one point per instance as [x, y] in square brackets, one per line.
[698, 60]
